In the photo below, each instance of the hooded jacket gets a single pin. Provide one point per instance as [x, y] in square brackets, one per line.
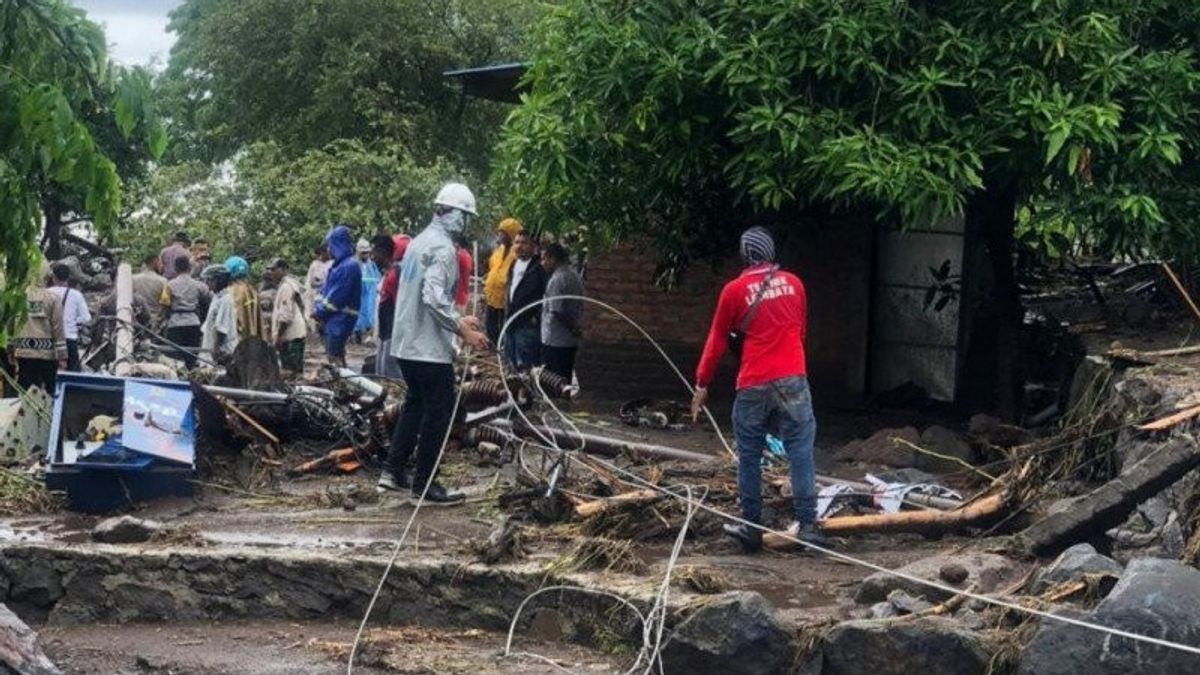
[338, 302]
[499, 264]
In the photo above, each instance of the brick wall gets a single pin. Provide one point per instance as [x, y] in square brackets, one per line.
[615, 360]
[834, 261]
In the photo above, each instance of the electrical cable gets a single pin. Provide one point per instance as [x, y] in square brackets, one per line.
[836, 555]
[407, 526]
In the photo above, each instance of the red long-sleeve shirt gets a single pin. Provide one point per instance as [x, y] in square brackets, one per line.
[774, 340]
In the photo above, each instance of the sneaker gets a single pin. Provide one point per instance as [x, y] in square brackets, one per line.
[438, 496]
[749, 537]
[390, 482]
[807, 533]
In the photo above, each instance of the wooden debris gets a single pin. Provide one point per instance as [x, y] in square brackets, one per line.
[1171, 420]
[598, 506]
[1182, 291]
[1111, 504]
[245, 417]
[344, 460]
[975, 514]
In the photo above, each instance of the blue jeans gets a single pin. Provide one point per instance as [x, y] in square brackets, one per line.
[523, 347]
[785, 403]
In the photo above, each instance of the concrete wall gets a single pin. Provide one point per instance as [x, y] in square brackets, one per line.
[834, 263]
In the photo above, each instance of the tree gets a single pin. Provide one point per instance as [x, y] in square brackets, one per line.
[56, 89]
[270, 205]
[303, 73]
[679, 117]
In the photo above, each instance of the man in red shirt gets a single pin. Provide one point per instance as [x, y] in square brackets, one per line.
[767, 307]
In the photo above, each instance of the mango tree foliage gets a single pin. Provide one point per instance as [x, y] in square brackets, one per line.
[264, 204]
[55, 83]
[688, 119]
[304, 73]
[682, 116]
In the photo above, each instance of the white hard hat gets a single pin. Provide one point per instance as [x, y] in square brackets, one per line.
[456, 196]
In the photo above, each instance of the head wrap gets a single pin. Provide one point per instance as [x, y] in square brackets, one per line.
[757, 246]
[237, 266]
[363, 246]
[510, 226]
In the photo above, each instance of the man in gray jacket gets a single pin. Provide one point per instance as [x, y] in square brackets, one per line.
[423, 341]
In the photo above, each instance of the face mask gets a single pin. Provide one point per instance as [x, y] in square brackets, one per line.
[452, 221]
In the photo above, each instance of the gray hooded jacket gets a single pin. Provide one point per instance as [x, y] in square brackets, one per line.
[426, 322]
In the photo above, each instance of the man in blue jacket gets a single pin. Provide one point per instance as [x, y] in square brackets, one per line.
[338, 302]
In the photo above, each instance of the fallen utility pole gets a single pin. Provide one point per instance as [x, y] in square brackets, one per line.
[611, 447]
[1111, 504]
[124, 328]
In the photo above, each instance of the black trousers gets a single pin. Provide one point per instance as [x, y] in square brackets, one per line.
[73, 364]
[424, 418]
[559, 360]
[184, 336]
[42, 372]
[494, 322]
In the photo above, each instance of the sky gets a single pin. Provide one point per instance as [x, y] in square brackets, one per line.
[136, 29]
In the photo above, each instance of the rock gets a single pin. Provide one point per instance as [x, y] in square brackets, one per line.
[953, 573]
[881, 449]
[907, 604]
[1072, 565]
[944, 442]
[991, 431]
[1154, 597]
[927, 645]
[987, 571]
[19, 652]
[969, 618]
[125, 530]
[735, 633]
[100, 282]
[883, 610]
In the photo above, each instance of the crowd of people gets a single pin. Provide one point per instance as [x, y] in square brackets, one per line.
[199, 310]
[411, 296]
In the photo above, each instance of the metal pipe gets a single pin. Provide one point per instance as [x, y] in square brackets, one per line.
[914, 498]
[245, 394]
[367, 386]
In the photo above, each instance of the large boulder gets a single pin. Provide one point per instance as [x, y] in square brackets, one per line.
[928, 646]
[19, 651]
[1157, 598]
[987, 571]
[735, 633]
[1073, 564]
[881, 448]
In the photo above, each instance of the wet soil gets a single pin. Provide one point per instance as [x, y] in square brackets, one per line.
[290, 648]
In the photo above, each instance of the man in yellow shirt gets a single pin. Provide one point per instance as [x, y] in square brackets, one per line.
[496, 281]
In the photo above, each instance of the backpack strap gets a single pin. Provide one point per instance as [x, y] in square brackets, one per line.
[762, 290]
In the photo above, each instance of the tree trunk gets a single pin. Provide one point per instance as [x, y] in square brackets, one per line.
[991, 374]
[53, 228]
